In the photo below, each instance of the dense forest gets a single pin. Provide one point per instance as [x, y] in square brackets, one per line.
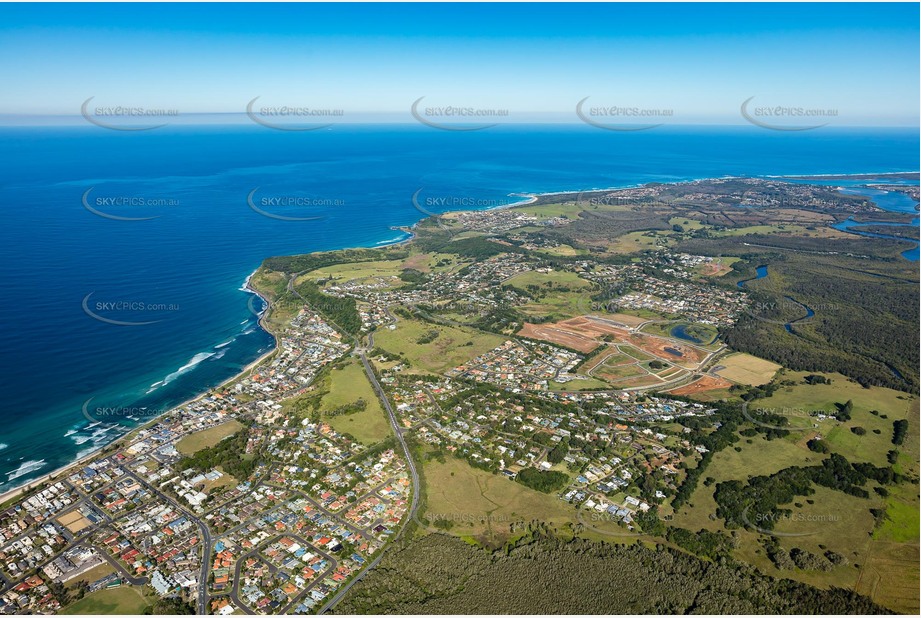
[865, 314]
[342, 312]
[542, 574]
[311, 261]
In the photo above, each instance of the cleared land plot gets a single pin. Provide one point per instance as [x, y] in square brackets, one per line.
[347, 386]
[74, 521]
[598, 359]
[718, 267]
[672, 350]
[612, 358]
[580, 330]
[122, 600]
[548, 281]
[420, 261]
[477, 502]
[702, 385]
[616, 372]
[94, 574]
[670, 373]
[226, 480]
[634, 353]
[563, 250]
[558, 336]
[634, 382]
[452, 347]
[194, 442]
[626, 319]
[747, 369]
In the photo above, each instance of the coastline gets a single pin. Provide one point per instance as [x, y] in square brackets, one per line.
[529, 198]
[32, 483]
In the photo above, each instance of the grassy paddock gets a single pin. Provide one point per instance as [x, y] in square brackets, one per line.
[453, 345]
[194, 442]
[348, 385]
[124, 600]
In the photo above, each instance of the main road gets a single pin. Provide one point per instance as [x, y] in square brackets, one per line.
[414, 505]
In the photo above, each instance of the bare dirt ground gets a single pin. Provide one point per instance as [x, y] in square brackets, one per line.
[706, 383]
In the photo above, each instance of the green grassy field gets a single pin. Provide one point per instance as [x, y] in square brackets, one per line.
[356, 270]
[453, 345]
[871, 447]
[548, 280]
[618, 359]
[747, 369]
[568, 210]
[94, 574]
[348, 385]
[687, 224]
[194, 442]
[123, 600]
[633, 352]
[880, 558]
[477, 502]
[562, 250]
[608, 372]
[761, 229]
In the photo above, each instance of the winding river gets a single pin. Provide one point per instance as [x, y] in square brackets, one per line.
[760, 273]
[890, 201]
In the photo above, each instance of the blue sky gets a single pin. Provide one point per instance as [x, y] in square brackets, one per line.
[701, 61]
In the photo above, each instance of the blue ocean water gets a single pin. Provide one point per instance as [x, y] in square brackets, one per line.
[182, 269]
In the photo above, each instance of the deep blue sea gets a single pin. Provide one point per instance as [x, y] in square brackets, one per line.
[175, 275]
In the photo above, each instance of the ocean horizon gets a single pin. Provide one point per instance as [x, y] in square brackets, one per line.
[127, 253]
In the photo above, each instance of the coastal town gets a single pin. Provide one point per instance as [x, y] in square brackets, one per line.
[590, 380]
[274, 527]
[235, 503]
